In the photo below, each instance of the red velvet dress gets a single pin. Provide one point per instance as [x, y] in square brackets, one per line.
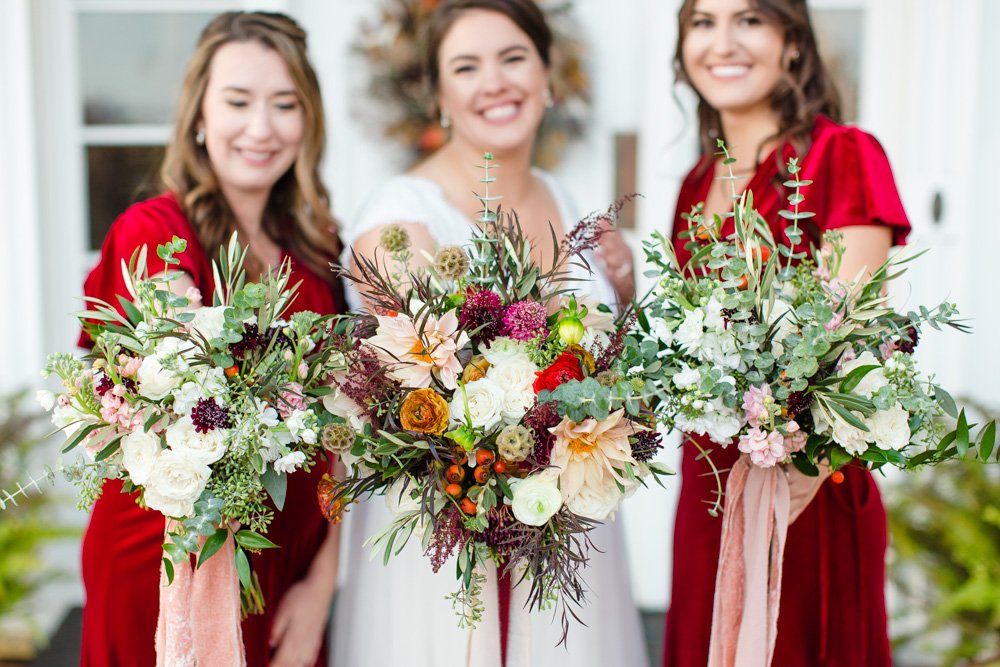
[122, 546]
[832, 600]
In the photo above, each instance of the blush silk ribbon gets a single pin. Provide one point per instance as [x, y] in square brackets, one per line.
[494, 643]
[199, 621]
[748, 583]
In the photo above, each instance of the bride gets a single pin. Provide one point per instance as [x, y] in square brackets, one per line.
[488, 67]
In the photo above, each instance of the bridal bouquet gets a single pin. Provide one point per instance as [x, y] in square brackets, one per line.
[203, 410]
[492, 408]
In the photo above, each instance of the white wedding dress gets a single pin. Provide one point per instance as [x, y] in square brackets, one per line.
[397, 615]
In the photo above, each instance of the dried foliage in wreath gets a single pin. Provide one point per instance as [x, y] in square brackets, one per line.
[392, 46]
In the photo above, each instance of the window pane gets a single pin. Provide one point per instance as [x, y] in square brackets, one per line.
[839, 33]
[117, 177]
[131, 65]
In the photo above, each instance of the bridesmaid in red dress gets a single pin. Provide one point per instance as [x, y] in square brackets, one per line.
[244, 157]
[762, 88]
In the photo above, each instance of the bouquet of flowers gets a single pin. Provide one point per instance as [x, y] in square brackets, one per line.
[757, 342]
[761, 343]
[202, 410]
[492, 408]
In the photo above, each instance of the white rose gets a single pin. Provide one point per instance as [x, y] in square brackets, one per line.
[485, 401]
[872, 381]
[890, 429]
[501, 350]
[516, 378]
[175, 483]
[155, 382]
[205, 448]
[851, 438]
[289, 463]
[782, 313]
[596, 501]
[209, 321]
[536, 499]
[516, 404]
[140, 452]
[402, 502]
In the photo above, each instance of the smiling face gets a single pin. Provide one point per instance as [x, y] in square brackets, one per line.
[733, 55]
[492, 82]
[252, 118]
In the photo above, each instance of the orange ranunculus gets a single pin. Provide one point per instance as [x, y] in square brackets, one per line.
[424, 411]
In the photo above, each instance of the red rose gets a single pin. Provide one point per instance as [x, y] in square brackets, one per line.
[565, 368]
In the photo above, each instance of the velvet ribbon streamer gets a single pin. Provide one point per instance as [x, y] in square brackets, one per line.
[199, 621]
[494, 643]
[748, 583]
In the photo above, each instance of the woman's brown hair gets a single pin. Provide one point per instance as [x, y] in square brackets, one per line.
[297, 216]
[805, 91]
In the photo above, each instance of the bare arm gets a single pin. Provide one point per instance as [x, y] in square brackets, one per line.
[301, 619]
[866, 247]
[421, 243]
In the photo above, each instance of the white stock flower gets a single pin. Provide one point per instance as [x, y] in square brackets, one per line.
[536, 499]
[155, 381]
[719, 349]
[296, 424]
[691, 331]
[687, 377]
[46, 399]
[175, 484]
[289, 463]
[140, 451]
[890, 429]
[485, 400]
[205, 448]
[209, 321]
[68, 419]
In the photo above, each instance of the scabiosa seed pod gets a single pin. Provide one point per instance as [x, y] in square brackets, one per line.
[338, 438]
[451, 262]
[515, 443]
[609, 378]
[394, 239]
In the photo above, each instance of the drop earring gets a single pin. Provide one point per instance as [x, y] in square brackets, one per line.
[199, 136]
[549, 102]
[445, 119]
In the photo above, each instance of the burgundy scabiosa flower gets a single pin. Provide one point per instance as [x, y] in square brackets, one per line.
[646, 444]
[104, 385]
[209, 415]
[482, 311]
[525, 320]
[909, 344]
[540, 418]
[251, 341]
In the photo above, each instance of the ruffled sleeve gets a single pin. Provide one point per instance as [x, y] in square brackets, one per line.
[151, 223]
[852, 181]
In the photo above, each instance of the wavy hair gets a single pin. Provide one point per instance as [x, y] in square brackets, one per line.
[297, 215]
[804, 92]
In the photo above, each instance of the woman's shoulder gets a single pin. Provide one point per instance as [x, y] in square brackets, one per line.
[157, 219]
[402, 198]
[831, 140]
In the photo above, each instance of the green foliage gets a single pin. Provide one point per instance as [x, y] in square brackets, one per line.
[26, 526]
[945, 528]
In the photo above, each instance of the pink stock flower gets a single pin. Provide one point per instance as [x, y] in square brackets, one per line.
[115, 410]
[291, 399]
[766, 449]
[755, 405]
[795, 438]
[130, 367]
[887, 348]
[838, 319]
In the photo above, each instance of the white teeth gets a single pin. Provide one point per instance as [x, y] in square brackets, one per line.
[255, 155]
[729, 70]
[501, 112]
